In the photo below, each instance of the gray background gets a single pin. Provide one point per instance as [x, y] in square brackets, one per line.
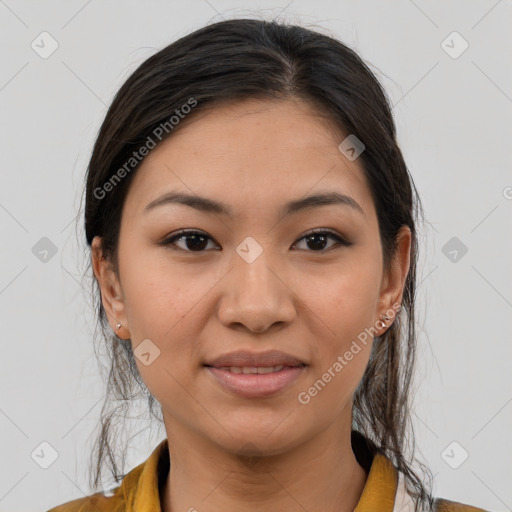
[454, 124]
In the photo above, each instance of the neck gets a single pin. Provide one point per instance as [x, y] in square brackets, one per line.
[320, 474]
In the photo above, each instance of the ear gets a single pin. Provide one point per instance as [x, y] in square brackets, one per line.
[111, 292]
[393, 280]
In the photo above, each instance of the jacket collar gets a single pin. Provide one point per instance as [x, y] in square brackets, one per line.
[141, 486]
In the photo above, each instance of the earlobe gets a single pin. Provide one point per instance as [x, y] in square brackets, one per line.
[120, 330]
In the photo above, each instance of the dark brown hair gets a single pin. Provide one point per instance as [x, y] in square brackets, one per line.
[248, 58]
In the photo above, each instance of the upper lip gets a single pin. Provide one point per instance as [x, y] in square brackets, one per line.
[245, 358]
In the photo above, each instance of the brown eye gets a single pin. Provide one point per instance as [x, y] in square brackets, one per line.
[193, 241]
[317, 240]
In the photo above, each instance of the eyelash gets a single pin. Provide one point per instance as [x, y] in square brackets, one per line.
[319, 231]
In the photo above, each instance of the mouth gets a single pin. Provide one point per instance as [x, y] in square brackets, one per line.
[251, 374]
[255, 381]
[247, 370]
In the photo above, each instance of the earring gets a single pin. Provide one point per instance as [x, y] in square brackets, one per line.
[118, 326]
[386, 318]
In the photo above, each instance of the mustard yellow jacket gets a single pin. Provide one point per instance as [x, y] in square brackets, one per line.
[384, 490]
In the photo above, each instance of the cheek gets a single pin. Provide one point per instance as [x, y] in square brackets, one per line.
[165, 305]
[161, 307]
[343, 299]
[159, 297]
[342, 349]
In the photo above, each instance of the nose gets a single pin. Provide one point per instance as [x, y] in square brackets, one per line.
[256, 296]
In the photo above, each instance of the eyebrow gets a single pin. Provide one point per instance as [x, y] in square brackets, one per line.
[207, 205]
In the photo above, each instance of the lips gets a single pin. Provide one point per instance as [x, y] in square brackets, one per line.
[255, 375]
[246, 359]
[256, 385]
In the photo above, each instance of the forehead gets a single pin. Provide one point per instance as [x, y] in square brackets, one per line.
[252, 155]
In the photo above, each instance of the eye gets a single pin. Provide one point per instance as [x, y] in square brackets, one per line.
[318, 237]
[197, 241]
[194, 241]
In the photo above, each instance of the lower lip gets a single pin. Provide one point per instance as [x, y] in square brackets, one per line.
[255, 385]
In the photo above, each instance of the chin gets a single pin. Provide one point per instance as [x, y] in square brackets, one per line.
[252, 440]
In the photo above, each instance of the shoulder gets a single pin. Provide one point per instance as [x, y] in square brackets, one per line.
[104, 501]
[443, 505]
[140, 485]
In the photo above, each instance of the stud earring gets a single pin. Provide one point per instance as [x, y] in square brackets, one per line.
[118, 326]
[386, 318]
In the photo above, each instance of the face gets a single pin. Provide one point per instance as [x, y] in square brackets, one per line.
[252, 278]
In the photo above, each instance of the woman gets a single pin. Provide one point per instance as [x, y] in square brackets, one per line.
[252, 226]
